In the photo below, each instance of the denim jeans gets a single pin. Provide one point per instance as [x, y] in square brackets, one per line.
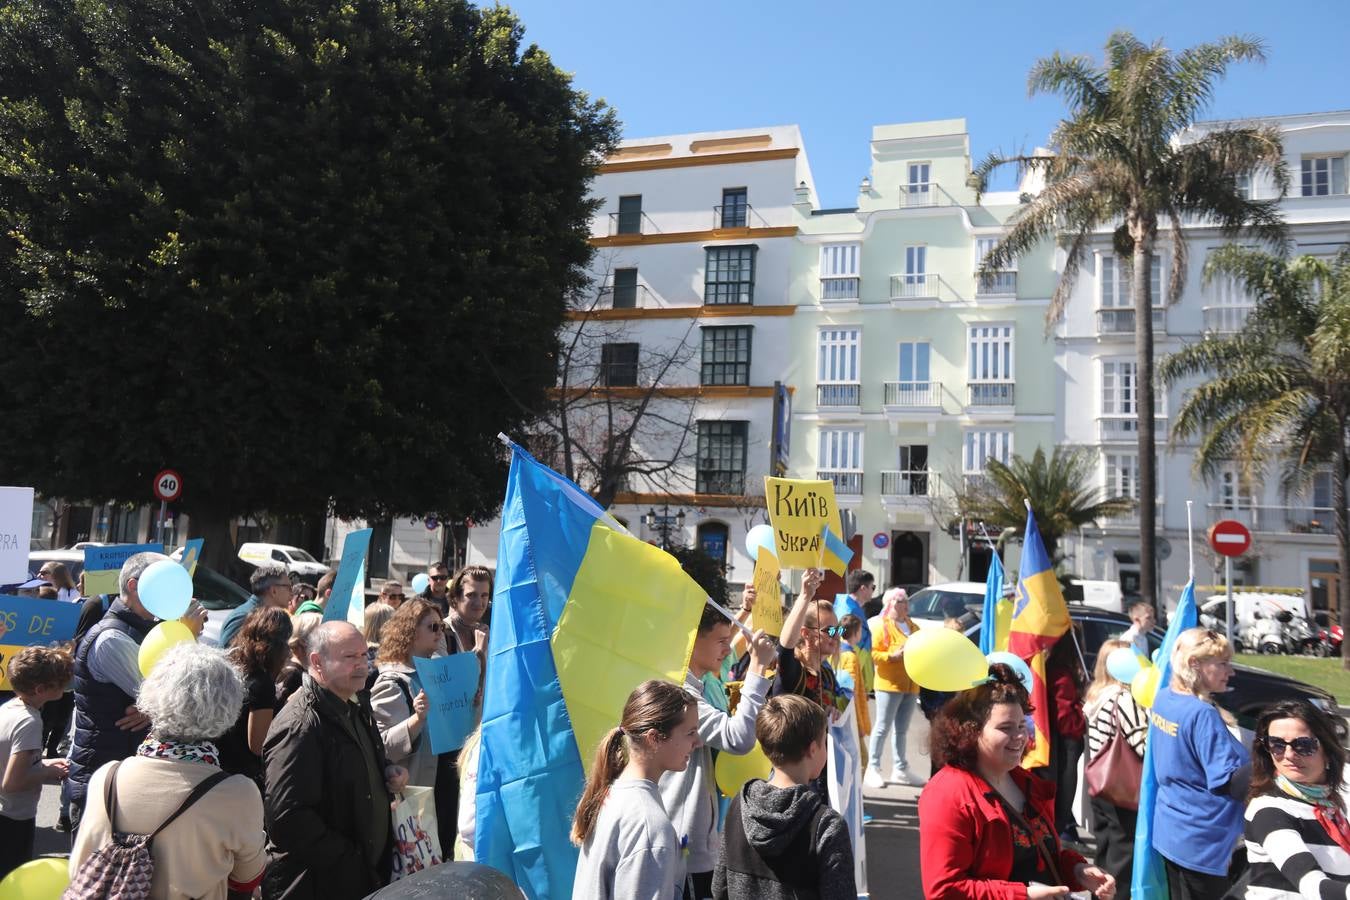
[893, 714]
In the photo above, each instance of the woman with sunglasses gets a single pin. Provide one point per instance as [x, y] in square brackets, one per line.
[400, 707]
[1202, 769]
[1298, 841]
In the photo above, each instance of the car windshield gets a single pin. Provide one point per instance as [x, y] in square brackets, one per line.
[929, 602]
[299, 555]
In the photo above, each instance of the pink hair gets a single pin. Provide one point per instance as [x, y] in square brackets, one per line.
[892, 597]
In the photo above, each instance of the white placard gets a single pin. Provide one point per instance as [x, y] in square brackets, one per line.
[16, 533]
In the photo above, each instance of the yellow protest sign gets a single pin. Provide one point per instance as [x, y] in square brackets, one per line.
[768, 611]
[799, 511]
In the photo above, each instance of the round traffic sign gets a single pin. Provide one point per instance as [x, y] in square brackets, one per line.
[432, 523]
[168, 485]
[881, 540]
[1230, 537]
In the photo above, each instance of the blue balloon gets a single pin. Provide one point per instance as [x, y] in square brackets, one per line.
[420, 581]
[759, 536]
[1123, 664]
[165, 590]
[1015, 662]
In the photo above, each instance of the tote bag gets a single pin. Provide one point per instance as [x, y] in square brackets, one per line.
[416, 844]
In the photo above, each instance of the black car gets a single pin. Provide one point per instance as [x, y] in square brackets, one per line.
[1249, 692]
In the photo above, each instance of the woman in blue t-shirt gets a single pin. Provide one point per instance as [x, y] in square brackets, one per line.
[1202, 769]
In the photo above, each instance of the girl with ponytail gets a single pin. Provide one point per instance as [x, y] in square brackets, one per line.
[629, 849]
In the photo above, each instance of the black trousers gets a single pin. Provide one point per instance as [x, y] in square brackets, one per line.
[16, 843]
[1188, 884]
[447, 802]
[1113, 827]
[1066, 753]
[698, 886]
[56, 723]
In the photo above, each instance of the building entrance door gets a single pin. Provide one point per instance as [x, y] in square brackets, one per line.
[909, 558]
[1324, 587]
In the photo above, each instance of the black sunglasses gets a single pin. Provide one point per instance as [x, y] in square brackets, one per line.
[1303, 746]
[440, 577]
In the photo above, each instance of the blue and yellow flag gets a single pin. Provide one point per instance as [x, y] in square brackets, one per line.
[993, 596]
[1148, 879]
[583, 612]
[1040, 617]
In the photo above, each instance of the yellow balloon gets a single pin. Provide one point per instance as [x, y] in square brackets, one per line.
[732, 771]
[941, 659]
[41, 879]
[1144, 687]
[161, 638]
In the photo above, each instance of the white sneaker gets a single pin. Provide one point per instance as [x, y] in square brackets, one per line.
[903, 776]
[872, 778]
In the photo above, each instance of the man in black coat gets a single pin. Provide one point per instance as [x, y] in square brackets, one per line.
[329, 783]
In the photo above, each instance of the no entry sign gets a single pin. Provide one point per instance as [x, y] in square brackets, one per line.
[1230, 538]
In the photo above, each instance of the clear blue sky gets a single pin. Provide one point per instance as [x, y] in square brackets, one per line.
[838, 68]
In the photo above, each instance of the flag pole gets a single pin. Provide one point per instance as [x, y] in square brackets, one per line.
[1190, 539]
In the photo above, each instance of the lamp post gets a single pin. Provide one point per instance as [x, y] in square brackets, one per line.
[662, 523]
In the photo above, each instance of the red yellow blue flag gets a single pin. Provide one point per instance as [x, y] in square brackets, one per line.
[1040, 617]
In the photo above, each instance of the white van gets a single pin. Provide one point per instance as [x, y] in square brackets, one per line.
[1105, 595]
[296, 561]
[1214, 609]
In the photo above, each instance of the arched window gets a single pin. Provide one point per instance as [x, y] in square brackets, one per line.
[712, 540]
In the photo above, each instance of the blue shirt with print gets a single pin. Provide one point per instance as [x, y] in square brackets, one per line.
[1196, 824]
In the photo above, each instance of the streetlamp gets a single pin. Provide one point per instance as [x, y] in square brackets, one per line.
[662, 523]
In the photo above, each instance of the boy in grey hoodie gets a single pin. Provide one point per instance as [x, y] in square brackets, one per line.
[781, 840]
[689, 795]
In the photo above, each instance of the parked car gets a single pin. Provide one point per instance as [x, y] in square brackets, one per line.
[298, 563]
[926, 607]
[1250, 691]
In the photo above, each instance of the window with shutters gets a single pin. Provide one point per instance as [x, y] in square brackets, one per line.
[837, 367]
[982, 446]
[839, 271]
[1323, 175]
[989, 369]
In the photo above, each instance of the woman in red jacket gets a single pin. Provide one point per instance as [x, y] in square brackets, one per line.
[986, 825]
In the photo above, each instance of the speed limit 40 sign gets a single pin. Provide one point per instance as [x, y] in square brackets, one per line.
[168, 486]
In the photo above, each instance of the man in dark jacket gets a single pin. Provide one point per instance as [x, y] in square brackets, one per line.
[329, 784]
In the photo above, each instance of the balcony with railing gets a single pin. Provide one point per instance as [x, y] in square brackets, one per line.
[737, 215]
[996, 284]
[632, 296]
[1277, 519]
[902, 395]
[1120, 320]
[923, 194]
[1112, 429]
[1226, 319]
[908, 485]
[915, 286]
[838, 395]
[631, 223]
[839, 289]
[991, 393]
[846, 483]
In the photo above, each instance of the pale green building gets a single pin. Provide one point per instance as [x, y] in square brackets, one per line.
[909, 374]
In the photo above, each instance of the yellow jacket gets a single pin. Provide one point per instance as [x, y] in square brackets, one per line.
[891, 674]
[850, 662]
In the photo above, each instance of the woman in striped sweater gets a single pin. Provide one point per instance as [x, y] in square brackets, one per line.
[1298, 841]
[1109, 707]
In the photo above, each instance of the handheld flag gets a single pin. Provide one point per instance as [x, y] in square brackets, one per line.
[350, 582]
[1148, 879]
[583, 613]
[993, 593]
[1040, 617]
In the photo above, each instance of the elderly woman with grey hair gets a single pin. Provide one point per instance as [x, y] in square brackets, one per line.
[215, 842]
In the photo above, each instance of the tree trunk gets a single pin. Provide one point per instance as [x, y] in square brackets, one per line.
[218, 549]
[1143, 234]
[1338, 478]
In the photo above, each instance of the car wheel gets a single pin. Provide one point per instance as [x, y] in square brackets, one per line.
[1270, 647]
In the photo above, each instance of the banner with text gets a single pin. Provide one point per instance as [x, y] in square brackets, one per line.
[800, 512]
[768, 612]
[102, 565]
[451, 683]
[29, 621]
[16, 533]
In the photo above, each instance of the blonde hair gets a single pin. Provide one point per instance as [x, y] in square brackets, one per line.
[303, 624]
[376, 615]
[1101, 678]
[1193, 645]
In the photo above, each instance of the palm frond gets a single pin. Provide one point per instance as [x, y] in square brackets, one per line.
[1074, 78]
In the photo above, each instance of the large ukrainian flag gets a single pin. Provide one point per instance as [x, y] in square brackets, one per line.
[1040, 617]
[583, 612]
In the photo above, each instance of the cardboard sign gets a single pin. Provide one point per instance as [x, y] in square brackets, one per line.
[451, 683]
[800, 511]
[192, 551]
[768, 612]
[29, 621]
[16, 533]
[102, 565]
[350, 576]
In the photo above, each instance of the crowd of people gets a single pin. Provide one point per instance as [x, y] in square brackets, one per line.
[269, 765]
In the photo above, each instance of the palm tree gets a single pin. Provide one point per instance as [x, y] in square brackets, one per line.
[1062, 490]
[1279, 391]
[1117, 162]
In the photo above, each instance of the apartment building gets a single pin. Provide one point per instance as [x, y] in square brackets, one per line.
[1095, 377]
[911, 372]
[690, 320]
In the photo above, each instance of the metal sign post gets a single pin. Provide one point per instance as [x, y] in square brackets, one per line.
[1228, 586]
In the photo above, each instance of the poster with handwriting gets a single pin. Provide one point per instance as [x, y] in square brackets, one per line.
[103, 565]
[768, 612]
[450, 683]
[28, 622]
[799, 511]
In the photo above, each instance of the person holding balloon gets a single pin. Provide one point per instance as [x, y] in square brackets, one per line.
[986, 825]
[1202, 770]
[1113, 715]
[108, 670]
[897, 694]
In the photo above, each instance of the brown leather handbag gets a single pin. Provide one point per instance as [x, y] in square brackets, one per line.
[1114, 774]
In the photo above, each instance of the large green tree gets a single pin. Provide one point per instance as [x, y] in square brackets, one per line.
[1120, 163]
[1277, 394]
[304, 251]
